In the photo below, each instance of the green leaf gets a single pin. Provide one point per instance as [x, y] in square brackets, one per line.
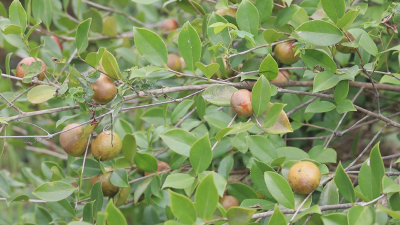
[225, 166]
[81, 37]
[319, 58]
[96, 195]
[189, 45]
[43, 217]
[109, 65]
[43, 10]
[325, 80]
[360, 215]
[312, 210]
[92, 167]
[257, 176]
[273, 114]
[241, 191]
[318, 32]
[271, 35]
[262, 148]
[93, 58]
[320, 107]
[345, 106]
[129, 148]
[391, 213]
[341, 91]
[366, 41]
[239, 216]
[62, 208]
[17, 198]
[2, 140]
[180, 110]
[365, 184]
[178, 180]
[377, 166]
[335, 219]
[201, 154]
[66, 118]
[347, 20]
[280, 189]
[208, 70]
[179, 141]
[247, 17]
[260, 95]
[222, 133]
[269, 68]
[4, 187]
[113, 215]
[292, 153]
[219, 94]
[146, 162]
[96, 16]
[388, 185]
[281, 126]
[182, 207]
[12, 29]
[119, 178]
[3, 10]
[264, 9]
[191, 7]
[206, 197]
[17, 15]
[335, 9]
[329, 196]
[53, 191]
[277, 217]
[221, 37]
[286, 15]
[150, 46]
[323, 155]
[41, 93]
[201, 107]
[88, 213]
[344, 184]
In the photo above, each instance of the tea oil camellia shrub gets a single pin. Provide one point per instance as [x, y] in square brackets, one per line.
[259, 112]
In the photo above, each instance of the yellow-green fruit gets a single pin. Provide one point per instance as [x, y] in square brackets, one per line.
[227, 12]
[241, 102]
[107, 187]
[104, 90]
[174, 62]
[304, 177]
[285, 54]
[229, 201]
[20, 72]
[74, 141]
[345, 49]
[102, 146]
[283, 76]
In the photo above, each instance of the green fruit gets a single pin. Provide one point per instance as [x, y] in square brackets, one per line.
[285, 54]
[20, 72]
[104, 90]
[102, 146]
[74, 141]
[229, 201]
[345, 49]
[304, 177]
[174, 62]
[107, 187]
[241, 102]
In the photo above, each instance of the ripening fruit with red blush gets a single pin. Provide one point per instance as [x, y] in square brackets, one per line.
[304, 177]
[241, 102]
[283, 76]
[20, 72]
[169, 25]
[285, 54]
[104, 90]
[174, 62]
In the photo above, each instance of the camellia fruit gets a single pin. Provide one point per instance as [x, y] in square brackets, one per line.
[20, 72]
[57, 40]
[229, 201]
[169, 25]
[174, 62]
[104, 90]
[304, 177]
[285, 54]
[345, 49]
[74, 141]
[107, 187]
[283, 76]
[227, 12]
[241, 102]
[161, 167]
[102, 146]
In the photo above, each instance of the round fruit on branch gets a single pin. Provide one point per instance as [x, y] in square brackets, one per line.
[74, 141]
[241, 102]
[285, 54]
[169, 25]
[20, 72]
[104, 90]
[174, 62]
[229, 201]
[304, 177]
[106, 146]
[107, 187]
[283, 76]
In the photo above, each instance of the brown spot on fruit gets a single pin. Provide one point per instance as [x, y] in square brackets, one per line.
[20, 72]
[285, 54]
[304, 177]
[241, 102]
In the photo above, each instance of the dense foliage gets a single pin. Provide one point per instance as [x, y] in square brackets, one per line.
[199, 112]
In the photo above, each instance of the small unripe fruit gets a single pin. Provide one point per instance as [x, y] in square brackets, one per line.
[107, 187]
[20, 72]
[283, 76]
[241, 102]
[285, 54]
[304, 177]
[228, 201]
[57, 40]
[102, 146]
[161, 167]
[174, 62]
[227, 12]
[345, 49]
[74, 141]
[169, 25]
[104, 90]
